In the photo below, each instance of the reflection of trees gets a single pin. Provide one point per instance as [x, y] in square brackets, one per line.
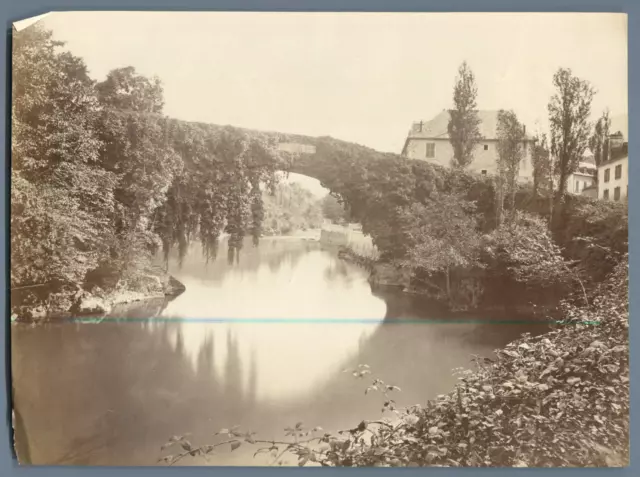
[339, 272]
[275, 253]
[114, 392]
[233, 371]
[204, 366]
[253, 379]
[289, 258]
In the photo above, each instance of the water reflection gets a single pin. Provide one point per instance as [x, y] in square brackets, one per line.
[287, 280]
[112, 393]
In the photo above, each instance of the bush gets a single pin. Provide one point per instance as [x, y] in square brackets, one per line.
[596, 233]
[525, 251]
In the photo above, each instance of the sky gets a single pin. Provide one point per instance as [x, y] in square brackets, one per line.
[361, 77]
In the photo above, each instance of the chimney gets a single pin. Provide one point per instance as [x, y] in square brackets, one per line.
[615, 141]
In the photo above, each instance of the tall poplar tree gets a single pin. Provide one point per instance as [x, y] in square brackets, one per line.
[569, 111]
[464, 123]
[510, 134]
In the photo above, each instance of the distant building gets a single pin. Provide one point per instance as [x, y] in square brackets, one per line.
[429, 141]
[613, 174]
[584, 178]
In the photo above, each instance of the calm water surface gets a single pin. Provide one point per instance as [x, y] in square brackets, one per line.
[260, 342]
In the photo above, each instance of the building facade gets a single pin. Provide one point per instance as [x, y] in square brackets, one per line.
[583, 180]
[613, 174]
[429, 141]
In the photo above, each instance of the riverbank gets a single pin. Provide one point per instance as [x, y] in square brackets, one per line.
[150, 284]
[471, 295]
[559, 399]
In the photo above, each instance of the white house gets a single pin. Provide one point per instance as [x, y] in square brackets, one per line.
[583, 180]
[613, 174]
[429, 141]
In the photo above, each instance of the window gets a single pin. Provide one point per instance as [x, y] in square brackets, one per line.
[577, 187]
[484, 172]
[607, 173]
[618, 171]
[616, 193]
[431, 149]
[605, 194]
[486, 147]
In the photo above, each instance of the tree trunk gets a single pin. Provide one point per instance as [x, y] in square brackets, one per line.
[499, 200]
[550, 197]
[559, 199]
[512, 200]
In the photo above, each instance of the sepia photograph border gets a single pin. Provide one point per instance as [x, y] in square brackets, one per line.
[11, 11]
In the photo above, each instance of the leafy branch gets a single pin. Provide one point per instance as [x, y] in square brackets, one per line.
[305, 444]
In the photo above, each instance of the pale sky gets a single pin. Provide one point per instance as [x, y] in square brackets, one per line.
[362, 77]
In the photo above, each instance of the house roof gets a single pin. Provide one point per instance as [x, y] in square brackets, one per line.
[588, 161]
[438, 127]
[618, 154]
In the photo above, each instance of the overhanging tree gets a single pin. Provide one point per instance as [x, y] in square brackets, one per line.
[136, 148]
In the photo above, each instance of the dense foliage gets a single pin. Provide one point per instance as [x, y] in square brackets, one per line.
[333, 210]
[101, 180]
[443, 237]
[61, 197]
[391, 197]
[290, 208]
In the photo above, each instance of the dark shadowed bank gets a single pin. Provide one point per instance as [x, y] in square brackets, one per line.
[51, 302]
[523, 269]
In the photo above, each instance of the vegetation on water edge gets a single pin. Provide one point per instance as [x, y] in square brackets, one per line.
[102, 181]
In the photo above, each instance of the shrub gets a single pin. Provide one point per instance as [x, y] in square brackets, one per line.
[525, 251]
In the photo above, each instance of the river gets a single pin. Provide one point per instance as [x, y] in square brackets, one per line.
[261, 342]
